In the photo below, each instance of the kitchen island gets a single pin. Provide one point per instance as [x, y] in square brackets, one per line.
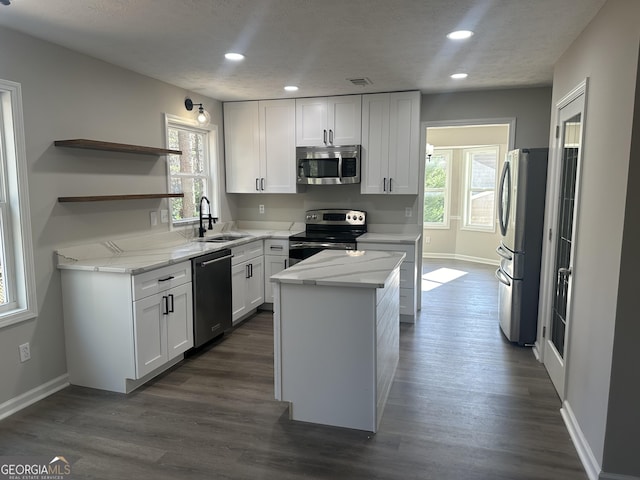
[336, 333]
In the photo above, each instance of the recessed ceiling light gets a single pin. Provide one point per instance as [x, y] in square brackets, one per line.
[236, 57]
[458, 76]
[460, 35]
[291, 88]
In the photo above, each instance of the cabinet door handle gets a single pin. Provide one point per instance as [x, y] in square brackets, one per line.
[246, 271]
[251, 270]
[165, 302]
[166, 279]
[324, 137]
[262, 183]
[171, 298]
[331, 136]
[390, 187]
[384, 184]
[258, 184]
[285, 263]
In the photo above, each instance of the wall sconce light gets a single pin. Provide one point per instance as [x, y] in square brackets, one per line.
[430, 149]
[203, 117]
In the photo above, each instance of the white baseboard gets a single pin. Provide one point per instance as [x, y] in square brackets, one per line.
[466, 258]
[32, 396]
[589, 462]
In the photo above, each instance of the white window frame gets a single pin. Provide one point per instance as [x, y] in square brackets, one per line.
[15, 227]
[467, 152]
[446, 223]
[211, 165]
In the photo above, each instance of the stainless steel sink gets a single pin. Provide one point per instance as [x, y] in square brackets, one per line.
[222, 238]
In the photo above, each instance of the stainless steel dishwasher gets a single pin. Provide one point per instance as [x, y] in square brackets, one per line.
[211, 275]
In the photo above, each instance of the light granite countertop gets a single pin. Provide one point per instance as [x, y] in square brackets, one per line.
[339, 268]
[139, 254]
[404, 238]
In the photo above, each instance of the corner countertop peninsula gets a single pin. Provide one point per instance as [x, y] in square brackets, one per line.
[336, 336]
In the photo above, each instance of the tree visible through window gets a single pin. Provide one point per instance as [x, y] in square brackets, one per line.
[436, 189]
[481, 170]
[189, 172]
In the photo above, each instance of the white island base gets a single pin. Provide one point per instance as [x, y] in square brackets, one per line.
[336, 338]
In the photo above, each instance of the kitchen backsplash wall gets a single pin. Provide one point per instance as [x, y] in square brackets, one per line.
[388, 209]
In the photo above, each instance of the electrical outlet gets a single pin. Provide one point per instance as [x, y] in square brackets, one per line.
[261, 208]
[154, 218]
[164, 215]
[427, 240]
[408, 212]
[25, 352]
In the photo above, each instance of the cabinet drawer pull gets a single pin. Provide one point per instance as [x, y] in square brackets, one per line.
[166, 279]
[276, 247]
[165, 304]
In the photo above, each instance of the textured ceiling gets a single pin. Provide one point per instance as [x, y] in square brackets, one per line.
[316, 44]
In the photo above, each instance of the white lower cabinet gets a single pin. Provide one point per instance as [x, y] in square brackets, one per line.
[276, 257]
[122, 329]
[163, 325]
[247, 279]
[408, 275]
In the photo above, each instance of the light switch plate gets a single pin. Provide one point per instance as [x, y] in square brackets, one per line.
[408, 212]
[261, 208]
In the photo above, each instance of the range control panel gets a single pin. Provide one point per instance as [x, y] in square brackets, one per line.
[336, 217]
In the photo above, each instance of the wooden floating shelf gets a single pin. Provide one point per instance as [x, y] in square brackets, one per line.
[114, 147]
[104, 198]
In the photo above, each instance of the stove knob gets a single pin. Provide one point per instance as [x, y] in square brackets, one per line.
[348, 217]
[360, 218]
[314, 216]
[308, 217]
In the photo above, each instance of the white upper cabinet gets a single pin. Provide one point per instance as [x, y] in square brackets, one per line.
[260, 152]
[329, 121]
[390, 143]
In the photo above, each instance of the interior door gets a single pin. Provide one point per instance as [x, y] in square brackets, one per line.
[560, 277]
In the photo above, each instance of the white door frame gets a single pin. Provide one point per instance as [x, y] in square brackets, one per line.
[548, 274]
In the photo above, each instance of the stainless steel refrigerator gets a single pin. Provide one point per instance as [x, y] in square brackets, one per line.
[521, 198]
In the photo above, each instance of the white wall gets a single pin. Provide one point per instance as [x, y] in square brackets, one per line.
[607, 53]
[68, 95]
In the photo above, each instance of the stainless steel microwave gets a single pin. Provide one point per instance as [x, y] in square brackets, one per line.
[328, 165]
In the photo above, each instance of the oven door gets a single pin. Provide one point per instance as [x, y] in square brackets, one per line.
[300, 250]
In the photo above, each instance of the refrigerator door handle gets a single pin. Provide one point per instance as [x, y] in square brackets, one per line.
[502, 277]
[503, 216]
[504, 253]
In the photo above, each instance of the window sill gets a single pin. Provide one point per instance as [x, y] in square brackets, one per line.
[18, 315]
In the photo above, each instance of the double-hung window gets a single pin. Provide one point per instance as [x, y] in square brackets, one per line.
[437, 184]
[191, 173]
[481, 168]
[17, 277]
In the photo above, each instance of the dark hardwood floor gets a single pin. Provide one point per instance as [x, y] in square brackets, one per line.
[465, 405]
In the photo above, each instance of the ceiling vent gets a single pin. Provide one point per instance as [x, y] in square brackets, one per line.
[360, 82]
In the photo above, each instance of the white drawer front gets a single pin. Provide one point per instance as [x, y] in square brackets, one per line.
[160, 279]
[245, 252]
[276, 247]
